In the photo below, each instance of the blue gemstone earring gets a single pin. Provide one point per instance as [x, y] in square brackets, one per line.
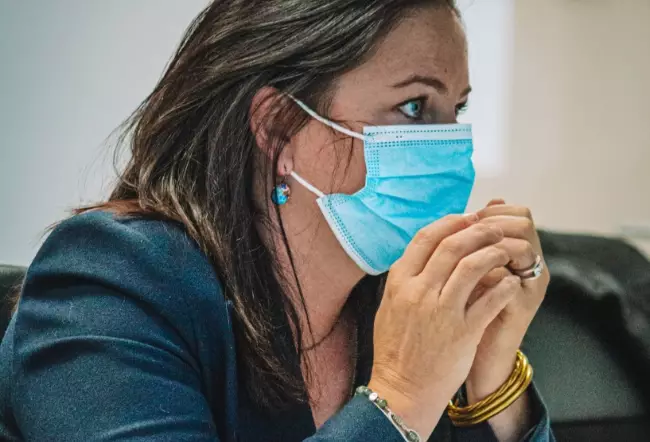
[281, 194]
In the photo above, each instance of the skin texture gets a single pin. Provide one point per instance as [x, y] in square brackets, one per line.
[474, 314]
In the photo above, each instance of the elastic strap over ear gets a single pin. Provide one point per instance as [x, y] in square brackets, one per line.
[327, 122]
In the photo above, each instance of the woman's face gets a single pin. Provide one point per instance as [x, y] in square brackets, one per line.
[419, 74]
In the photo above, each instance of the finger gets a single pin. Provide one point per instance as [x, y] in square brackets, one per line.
[487, 307]
[424, 242]
[490, 280]
[505, 209]
[521, 252]
[516, 227]
[452, 249]
[496, 202]
[469, 272]
[524, 229]
[494, 277]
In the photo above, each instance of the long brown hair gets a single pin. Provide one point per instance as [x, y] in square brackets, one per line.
[192, 149]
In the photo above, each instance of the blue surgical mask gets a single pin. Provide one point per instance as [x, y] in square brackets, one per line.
[416, 174]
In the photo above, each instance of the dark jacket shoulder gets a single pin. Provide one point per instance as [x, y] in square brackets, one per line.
[152, 262]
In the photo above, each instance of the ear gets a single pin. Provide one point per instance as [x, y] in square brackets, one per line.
[262, 119]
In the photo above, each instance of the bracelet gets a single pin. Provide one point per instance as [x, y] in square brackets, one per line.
[498, 401]
[408, 434]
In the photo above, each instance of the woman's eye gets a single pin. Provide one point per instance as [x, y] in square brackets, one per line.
[461, 108]
[412, 109]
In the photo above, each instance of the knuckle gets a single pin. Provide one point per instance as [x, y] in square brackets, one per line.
[451, 218]
[498, 255]
[528, 249]
[419, 285]
[470, 265]
[424, 236]
[393, 282]
[491, 232]
[527, 225]
[484, 229]
[512, 281]
[527, 212]
[451, 246]
[395, 268]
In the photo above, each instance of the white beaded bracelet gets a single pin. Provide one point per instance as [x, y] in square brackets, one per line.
[408, 434]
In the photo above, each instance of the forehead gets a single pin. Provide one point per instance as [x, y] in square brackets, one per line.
[428, 41]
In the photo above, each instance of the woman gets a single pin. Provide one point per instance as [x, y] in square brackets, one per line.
[214, 297]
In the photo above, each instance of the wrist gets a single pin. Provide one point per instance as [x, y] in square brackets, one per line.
[511, 424]
[488, 378]
[505, 405]
[416, 414]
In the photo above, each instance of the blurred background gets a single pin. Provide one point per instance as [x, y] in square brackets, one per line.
[560, 106]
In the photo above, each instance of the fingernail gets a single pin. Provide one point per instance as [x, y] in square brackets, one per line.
[471, 216]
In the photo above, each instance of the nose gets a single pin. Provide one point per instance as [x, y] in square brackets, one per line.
[448, 116]
[446, 112]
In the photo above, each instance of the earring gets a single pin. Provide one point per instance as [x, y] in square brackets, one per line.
[281, 194]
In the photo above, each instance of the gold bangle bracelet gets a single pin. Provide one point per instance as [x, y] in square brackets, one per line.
[496, 407]
[498, 401]
[512, 381]
[479, 417]
[520, 364]
[523, 380]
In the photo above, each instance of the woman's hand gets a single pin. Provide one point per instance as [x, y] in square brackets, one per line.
[496, 352]
[425, 335]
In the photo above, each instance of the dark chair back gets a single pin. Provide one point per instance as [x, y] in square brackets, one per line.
[589, 391]
[585, 366]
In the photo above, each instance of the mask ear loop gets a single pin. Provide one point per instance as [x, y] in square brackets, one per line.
[326, 122]
[308, 186]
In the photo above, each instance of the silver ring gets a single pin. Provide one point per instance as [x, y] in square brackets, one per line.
[533, 272]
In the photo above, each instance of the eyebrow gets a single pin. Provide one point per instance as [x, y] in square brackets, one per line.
[429, 81]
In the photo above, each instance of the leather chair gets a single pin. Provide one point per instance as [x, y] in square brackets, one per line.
[10, 279]
[594, 380]
[590, 393]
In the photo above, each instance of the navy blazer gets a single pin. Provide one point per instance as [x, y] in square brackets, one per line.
[123, 334]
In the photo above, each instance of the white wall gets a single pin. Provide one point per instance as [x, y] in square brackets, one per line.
[560, 109]
[70, 72]
[578, 144]
[490, 29]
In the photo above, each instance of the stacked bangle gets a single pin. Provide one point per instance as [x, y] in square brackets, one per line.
[408, 434]
[498, 401]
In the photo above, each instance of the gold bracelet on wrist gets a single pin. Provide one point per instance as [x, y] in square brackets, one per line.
[498, 401]
[496, 407]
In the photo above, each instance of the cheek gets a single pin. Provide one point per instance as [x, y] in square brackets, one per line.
[347, 167]
[332, 164]
[355, 178]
